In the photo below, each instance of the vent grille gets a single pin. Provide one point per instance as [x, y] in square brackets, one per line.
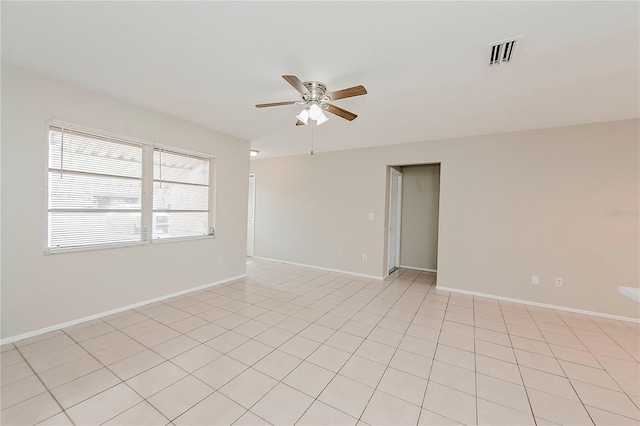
[502, 52]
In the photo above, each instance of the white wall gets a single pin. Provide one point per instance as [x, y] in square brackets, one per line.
[41, 290]
[511, 206]
[420, 205]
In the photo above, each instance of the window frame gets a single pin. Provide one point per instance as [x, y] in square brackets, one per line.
[148, 147]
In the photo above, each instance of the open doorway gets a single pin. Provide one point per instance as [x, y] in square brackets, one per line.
[251, 215]
[414, 207]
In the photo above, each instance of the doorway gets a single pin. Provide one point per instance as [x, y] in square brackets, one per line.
[395, 215]
[251, 214]
[419, 211]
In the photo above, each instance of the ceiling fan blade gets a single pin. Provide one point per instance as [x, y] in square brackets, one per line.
[275, 104]
[339, 112]
[348, 93]
[296, 83]
[300, 123]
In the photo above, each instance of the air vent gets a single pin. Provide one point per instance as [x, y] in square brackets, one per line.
[502, 52]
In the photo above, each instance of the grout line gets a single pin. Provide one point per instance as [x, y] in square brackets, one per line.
[475, 359]
[351, 355]
[46, 389]
[603, 369]
[200, 344]
[501, 333]
[335, 374]
[562, 368]
[560, 365]
[394, 352]
[535, 420]
[151, 367]
[434, 356]
[272, 326]
[112, 372]
[285, 287]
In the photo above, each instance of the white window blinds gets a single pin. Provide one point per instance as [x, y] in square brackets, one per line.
[105, 190]
[95, 189]
[180, 194]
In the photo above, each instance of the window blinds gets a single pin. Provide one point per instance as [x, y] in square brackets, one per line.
[106, 190]
[95, 189]
[180, 194]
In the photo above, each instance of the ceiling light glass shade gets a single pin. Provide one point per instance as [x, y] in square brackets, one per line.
[254, 153]
[323, 119]
[315, 112]
[303, 116]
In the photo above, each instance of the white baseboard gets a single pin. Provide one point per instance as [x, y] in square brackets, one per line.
[114, 311]
[373, 277]
[540, 305]
[418, 269]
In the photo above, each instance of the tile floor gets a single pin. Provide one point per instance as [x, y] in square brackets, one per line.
[291, 345]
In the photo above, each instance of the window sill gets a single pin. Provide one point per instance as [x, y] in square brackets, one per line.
[124, 245]
[177, 239]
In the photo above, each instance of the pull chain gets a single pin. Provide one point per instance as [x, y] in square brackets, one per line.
[311, 138]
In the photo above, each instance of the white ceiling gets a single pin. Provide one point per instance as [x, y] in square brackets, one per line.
[422, 63]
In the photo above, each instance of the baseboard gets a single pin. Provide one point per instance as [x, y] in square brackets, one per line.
[418, 269]
[373, 277]
[540, 305]
[114, 311]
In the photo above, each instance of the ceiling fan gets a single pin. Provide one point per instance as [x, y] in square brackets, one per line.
[316, 100]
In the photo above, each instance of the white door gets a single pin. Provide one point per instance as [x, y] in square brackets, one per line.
[251, 215]
[395, 208]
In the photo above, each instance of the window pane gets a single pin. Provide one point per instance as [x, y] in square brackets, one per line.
[174, 224]
[93, 154]
[180, 168]
[82, 229]
[71, 191]
[177, 196]
[89, 173]
[181, 189]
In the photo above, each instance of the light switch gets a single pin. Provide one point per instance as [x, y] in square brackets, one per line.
[370, 216]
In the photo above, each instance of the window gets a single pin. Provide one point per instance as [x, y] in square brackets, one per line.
[98, 186]
[180, 194]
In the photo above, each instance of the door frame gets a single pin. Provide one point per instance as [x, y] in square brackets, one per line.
[398, 175]
[253, 228]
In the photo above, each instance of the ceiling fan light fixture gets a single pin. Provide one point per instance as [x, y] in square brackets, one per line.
[303, 116]
[315, 112]
[323, 119]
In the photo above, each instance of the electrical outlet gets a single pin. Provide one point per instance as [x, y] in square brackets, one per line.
[559, 282]
[364, 257]
[535, 279]
[219, 261]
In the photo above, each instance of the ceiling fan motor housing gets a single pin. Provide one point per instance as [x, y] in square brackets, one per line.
[316, 93]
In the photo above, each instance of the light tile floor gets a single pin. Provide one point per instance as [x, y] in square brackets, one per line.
[292, 345]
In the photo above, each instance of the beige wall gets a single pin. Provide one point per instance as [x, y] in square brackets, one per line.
[419, 233]
[40, 291]
[511, 206]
